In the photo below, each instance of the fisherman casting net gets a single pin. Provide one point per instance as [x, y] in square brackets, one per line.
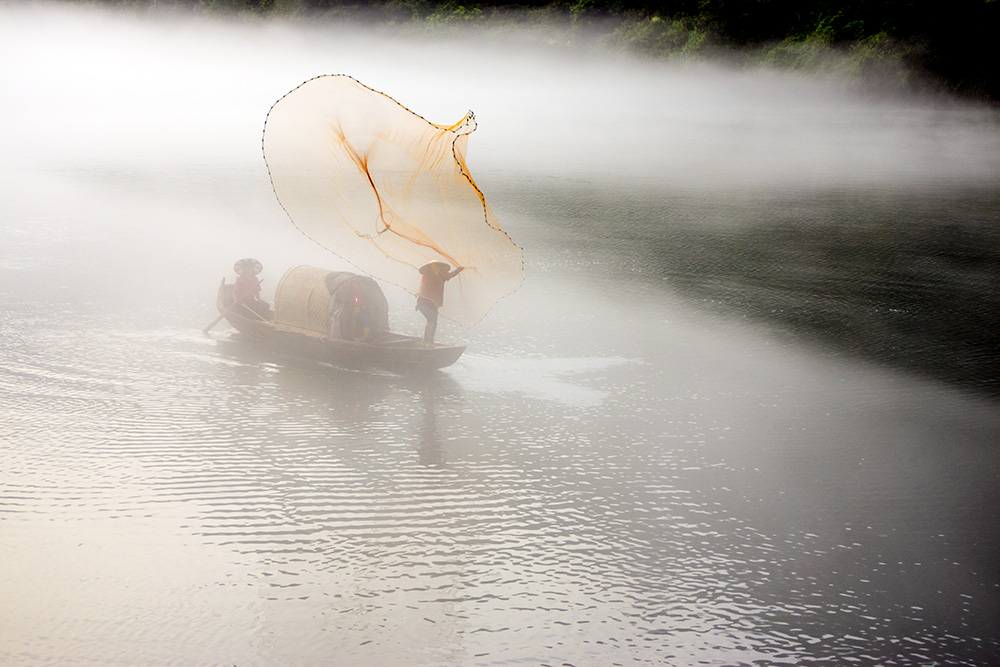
[388, 191]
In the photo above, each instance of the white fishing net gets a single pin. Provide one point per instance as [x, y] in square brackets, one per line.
[388, 191]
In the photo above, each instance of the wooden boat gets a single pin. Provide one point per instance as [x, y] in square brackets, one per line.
[335, 317]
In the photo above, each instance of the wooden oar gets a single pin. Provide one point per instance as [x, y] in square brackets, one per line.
[221, 315]
[227, 311]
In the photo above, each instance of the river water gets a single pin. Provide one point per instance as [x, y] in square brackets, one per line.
[743, 410]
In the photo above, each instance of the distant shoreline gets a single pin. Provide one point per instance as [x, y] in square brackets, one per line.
[876, 44]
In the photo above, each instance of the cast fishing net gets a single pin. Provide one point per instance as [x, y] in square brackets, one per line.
[388, 191]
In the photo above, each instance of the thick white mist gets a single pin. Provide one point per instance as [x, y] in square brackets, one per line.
[614, 472]
[146, 129]
[84, 86]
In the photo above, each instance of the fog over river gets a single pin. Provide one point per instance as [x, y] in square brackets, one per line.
[742, 411]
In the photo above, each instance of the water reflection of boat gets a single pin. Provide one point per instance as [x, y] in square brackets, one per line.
[336, 317]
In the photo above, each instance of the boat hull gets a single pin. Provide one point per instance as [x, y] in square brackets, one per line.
[393, 352]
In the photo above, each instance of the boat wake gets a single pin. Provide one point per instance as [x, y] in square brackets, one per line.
[570, 381]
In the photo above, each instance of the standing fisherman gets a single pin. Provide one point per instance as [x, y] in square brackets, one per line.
[430, 296]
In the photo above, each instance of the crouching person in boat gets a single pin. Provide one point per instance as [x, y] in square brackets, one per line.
[246, 290]
[351, 319]
[358, 308]
[430, 296]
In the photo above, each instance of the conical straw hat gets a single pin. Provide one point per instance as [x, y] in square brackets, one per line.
[436, 266]
[248, 265]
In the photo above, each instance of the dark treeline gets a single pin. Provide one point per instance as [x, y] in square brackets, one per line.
[951, 42]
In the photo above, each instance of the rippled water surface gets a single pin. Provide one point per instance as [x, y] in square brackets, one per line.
[643, 458]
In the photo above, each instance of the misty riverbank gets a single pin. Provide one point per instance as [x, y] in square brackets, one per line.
[930, 50]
